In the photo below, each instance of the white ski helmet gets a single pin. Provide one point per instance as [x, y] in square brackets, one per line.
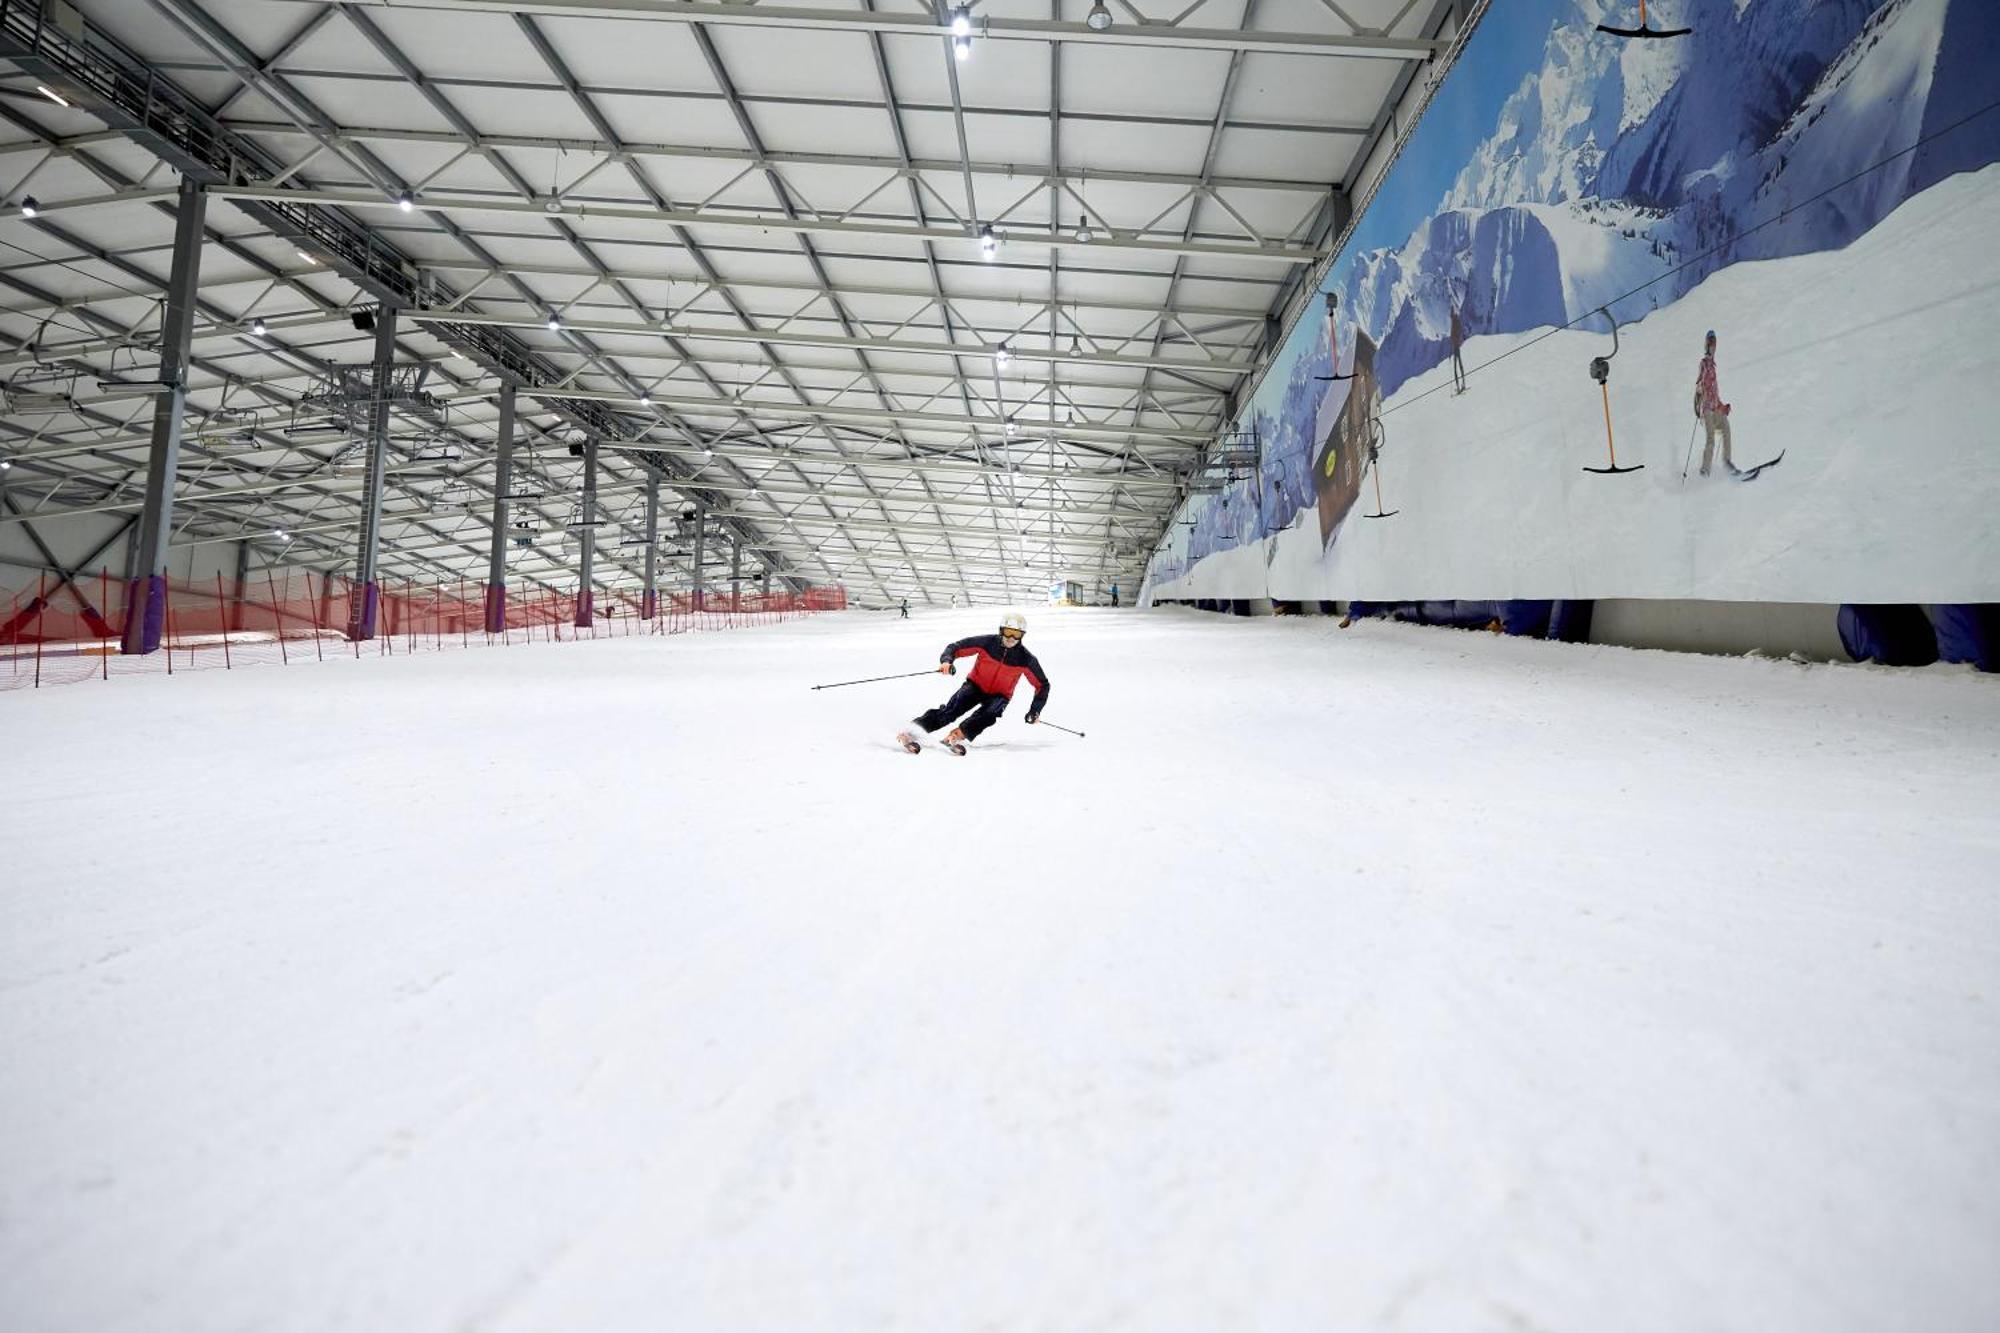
[1014, 620]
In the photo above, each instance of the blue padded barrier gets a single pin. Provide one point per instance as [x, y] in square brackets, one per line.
[1569, 621]
[1528, 618]
[1968, 632]
[1892, 634]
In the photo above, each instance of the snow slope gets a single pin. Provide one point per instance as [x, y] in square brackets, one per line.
[1386, 978]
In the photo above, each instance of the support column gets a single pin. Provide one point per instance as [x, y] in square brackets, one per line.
[700, 551]
[503, 486]
[242, 583]
[146, 593]
[368, 592]
[649, 600]
[764, 579]
[587, 539]
[736, 574]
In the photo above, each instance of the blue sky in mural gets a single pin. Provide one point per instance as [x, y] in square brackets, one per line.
[1507, 45]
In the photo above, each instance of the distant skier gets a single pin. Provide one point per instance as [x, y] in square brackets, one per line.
[1457, 341]
[1710, 410]
[1000, 662]
[906, 609]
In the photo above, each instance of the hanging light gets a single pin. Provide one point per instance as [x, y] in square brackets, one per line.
[1075, 345]
[645, 399]
[989, 244]
[256, 328]
[29, 207]
[961, 48]
[51, 94]
[1084, 235]
[1099, 18]
[1002, 355]
[6, 463]
[307, 257]
[405, 202]
[961, 22]
[555, 321]
[281, 534]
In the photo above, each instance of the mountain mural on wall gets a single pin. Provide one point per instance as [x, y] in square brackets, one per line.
[1618, 162]
[1623, 173]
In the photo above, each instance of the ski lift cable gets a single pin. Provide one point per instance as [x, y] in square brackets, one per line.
[1698, 257]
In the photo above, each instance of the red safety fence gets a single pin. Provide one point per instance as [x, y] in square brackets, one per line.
[54, 631]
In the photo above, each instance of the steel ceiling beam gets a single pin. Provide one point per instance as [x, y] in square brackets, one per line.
[901, 346]
[1151, 35]
[450, 204]
[1019, 172]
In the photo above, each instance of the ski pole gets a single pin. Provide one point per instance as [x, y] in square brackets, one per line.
[1077, 734]
[1689, 460]
[872, 679]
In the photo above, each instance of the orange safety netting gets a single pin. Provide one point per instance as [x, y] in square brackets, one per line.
[53, 631]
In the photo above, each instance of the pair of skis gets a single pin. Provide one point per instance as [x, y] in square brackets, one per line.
[1746, 473]
[908, 740]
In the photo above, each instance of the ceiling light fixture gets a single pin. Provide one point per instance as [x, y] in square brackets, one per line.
[989, 244]
[307, 257]
[404, 202]
[1099, 17]
[961, 48]
[1084, 235]
[29, 207]
[555, 321]
[1002, 355]
[961, 22]
[256, 328]
[51, 94]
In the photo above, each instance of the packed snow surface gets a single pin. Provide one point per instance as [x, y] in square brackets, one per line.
[1386, 978]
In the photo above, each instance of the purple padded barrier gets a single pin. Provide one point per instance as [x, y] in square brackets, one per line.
[649, 604]
[362, 627]
[143, 631]
[496, 608]
[1968, 632]
[583, 608]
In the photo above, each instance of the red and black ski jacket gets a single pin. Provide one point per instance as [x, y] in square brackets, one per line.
[999, 668]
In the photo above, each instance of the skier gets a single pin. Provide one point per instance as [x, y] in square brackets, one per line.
[906, 609]
[1710, 410]
[1000, 662]
[1457, 340]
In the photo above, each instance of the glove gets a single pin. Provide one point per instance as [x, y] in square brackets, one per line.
[1725, 409]
[947, 669]
[1031, 718]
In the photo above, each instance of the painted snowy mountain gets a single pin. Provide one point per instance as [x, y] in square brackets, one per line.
[1616, 162]
[1778, 128]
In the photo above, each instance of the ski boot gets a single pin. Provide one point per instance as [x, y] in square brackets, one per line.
[911, 738]
[955, 741]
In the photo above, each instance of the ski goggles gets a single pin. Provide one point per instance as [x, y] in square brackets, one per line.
[1013, 634]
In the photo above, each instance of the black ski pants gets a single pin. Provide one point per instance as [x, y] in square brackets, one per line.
[989, 708]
